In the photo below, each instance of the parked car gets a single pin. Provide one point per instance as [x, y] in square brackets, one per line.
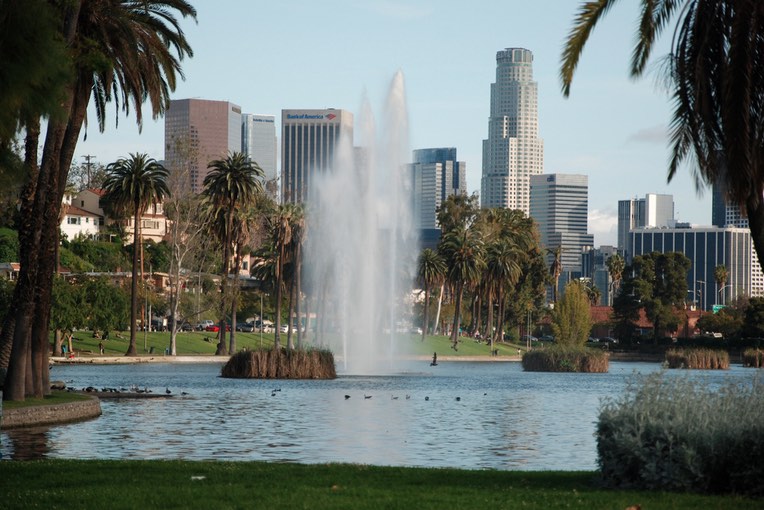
[609, 339]
[284, 328]
[526, 338]
[186, 326]
[203, 325]
[245, 327]
[214, 328]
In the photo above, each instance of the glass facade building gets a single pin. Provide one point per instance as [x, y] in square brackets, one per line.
[197, 131]
[258, 141]
[309, 141]
[436, 174]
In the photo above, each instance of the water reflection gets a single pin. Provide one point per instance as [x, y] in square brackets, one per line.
[503, 419]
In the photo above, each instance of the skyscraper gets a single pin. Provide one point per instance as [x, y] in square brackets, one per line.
[653, 211]
[436, 174]
[258, 141]
[559, 204]
[309, 139]
[513, 151]
[197, 131]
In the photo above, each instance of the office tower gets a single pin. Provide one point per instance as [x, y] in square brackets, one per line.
[197, 131]
[436, 174]
[559, 204]
[654, 211]
[258, 141]
[513, 151]
[309, 139]
[706, 247]
[594, 267]
[724, 214]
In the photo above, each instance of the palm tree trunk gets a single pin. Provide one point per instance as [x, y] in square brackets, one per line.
[499, 336]
[437, 314]
[131, 350]
[234, 302]
[221, 348]
[298, 290]
[457, 316]
[279, 282]
[426, 311]
[290, 344]
[489, 328]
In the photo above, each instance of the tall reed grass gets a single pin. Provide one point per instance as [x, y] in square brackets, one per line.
[678, 433]
[703, 359]
[280, 364]
[566, 359]
[753, 358]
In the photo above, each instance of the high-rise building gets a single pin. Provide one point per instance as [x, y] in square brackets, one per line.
[559, 204]
[654, 211]
[594, 264]
[706, 247]
[309, 139]
[258, 141]
[436, 174]
[197, 131]
[725, 214]
[513, 151]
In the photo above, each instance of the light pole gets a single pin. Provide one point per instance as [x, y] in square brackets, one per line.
[693, 295]
[702, 283]
[724, 299]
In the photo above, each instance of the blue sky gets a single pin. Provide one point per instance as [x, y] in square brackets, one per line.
[267, 56]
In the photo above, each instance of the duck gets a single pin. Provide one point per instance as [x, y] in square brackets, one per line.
[347, 397]
[367, 397]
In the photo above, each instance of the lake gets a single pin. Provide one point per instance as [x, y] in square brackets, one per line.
[458, 414]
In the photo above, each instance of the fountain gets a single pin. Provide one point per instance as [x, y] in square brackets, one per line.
[361, 244]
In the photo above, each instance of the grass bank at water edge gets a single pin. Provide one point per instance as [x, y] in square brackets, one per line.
[86, 484]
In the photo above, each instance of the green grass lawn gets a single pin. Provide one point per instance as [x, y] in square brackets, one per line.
[96, 484]
[56, 397]
[202, 342]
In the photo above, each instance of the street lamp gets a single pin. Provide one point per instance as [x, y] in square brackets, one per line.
[693, 295]
[724, 300]
[700, 294]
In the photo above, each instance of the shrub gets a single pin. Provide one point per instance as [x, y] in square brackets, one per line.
[703, 359]
[753, 358]
[669, 433]
[280, 364]
[562, 359]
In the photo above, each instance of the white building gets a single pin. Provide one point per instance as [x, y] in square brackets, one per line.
[559, 204]
[653, 211]
[80, 217]
[513, 151]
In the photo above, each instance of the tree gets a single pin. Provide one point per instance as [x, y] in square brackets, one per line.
[462, 250]
[720, 275]
[231, 184]
[716, 79]
[571, 321]
[615, 266]
[116, 50]
[131, 186]
[282, 238]
[431, 270]
[502, 270]
[555, 269]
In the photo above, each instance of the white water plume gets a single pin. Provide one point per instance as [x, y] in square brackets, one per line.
[361, 244]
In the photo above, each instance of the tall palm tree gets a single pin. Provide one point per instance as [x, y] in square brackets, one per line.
[431, 270]
[462, 250]
[716, 72]
[282, 239]
[131, 186]
[720, 275]
[299, 231]
[615, 266]
[555, 269]
[503, 270]
[232, 184]
[118, 49]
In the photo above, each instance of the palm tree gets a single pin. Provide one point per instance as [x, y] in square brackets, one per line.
[299, 227]
[462, 250]
[232, 184]
[555, 269]
[615, 266]
[503, 270]
[131, 186]
[716, 72]
[282, 238]
[118, 49]
[431, 270]
[720, 275]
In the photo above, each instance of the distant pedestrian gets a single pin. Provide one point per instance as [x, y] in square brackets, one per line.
[100, 347]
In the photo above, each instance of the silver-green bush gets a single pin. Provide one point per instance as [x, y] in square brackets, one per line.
[674, 433]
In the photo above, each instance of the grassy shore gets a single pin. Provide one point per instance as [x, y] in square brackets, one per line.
[203, 343]
[85, 484]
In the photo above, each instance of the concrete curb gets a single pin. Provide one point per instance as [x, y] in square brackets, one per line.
[51, 414]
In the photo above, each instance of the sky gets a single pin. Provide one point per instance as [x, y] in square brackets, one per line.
[267, 56]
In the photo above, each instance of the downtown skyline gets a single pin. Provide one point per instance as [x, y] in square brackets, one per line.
[612, 129]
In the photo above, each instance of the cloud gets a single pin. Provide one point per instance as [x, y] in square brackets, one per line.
[604, 226]
[655, 134]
